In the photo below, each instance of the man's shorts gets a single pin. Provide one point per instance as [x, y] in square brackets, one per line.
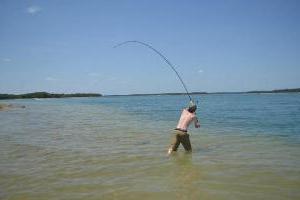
[183, 138]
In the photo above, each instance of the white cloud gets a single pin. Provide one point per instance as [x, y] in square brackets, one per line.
[6, 59]
[92, 74]
[33, 10]
[50, 79]
[200, 71]
[112, 78]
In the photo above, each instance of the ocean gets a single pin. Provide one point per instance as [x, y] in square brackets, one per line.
[248, 147]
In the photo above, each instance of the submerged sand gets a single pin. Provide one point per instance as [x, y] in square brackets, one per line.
[8, 106]
[5, 106]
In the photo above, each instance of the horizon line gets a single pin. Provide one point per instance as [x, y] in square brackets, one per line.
[171, 93]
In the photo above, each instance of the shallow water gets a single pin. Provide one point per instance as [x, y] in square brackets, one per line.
[115, 148]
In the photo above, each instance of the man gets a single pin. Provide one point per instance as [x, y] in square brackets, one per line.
[188, 116]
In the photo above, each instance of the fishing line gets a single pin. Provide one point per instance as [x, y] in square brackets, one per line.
[162, 56]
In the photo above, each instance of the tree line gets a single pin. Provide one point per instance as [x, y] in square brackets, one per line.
[46, 95]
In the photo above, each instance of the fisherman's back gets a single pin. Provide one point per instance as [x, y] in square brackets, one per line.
[185, 120]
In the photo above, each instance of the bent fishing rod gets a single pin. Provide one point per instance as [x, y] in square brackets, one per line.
[163, 57]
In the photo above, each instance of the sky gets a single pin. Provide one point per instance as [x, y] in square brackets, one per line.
[66, 46]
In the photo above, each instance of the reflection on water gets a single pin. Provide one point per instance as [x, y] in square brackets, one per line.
[104, 148]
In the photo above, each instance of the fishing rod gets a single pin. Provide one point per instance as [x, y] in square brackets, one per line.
[163, 57]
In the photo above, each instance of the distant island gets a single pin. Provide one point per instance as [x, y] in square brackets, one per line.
[154, 94]
[277, 91]
[39, 95]
[196, 93]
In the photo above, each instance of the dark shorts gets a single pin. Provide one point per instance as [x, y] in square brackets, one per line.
[183, 138]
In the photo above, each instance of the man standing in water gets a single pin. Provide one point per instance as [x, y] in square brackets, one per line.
[188, 116]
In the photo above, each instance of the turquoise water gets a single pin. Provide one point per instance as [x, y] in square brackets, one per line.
[248, 147]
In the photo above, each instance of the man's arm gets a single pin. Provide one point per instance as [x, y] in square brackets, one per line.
[197, 124]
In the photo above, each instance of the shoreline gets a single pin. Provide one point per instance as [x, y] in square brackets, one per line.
[209, 93]
[45, 95]
[42, 95]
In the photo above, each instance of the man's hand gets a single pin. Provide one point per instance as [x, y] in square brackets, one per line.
[197, 124]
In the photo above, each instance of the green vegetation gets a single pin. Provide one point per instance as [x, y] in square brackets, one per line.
[277, 91]
[46, 95]
[53, 95]
[153, 94]
[202, 93]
